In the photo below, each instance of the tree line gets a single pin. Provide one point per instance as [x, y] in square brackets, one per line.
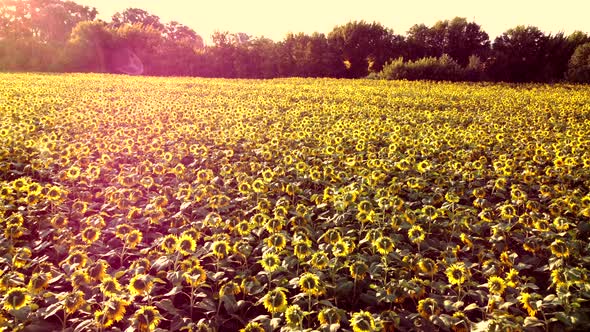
[63, 36]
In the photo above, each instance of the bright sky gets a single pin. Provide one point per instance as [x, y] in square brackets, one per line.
[275, 18]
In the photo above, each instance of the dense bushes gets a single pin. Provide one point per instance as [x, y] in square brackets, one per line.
[443, 68]
[579, 65]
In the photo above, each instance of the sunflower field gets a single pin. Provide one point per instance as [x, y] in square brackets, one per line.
[169, 204]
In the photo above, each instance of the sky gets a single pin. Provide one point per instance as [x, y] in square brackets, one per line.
[275, 18]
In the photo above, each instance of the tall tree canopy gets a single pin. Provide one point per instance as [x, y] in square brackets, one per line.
[362, 46]
[458, 38]
[519, 54]
[49, 21]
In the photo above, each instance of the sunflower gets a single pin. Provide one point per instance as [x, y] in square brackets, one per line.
[277, 241]
[140, 284]
[302, 249]
[146, 318]
[496, 285]
[270, 262]
[16, 298]
[90, 234]
[512, 278]
[186, 245]
[169, 243]
[274, 225]
[73, 301]
[275, 300]
[38, 282]
[98, 270]
[332, 236]
[364, 206]
[294, 316]
[329, 316]
[310, 284]
[229, 288]
[110, 286]
[363, 321]
[416, 234]
[428, 266]
[221, 248]
[428, 307]
[384, 245]
[115, 308]
[195, 276]
[559, 248]
[79, 278]
[22, 257]
[59, 221]
[243, 228]
[358, 270]
[319, 260]
[133, 238]
[341, 249]
[102, 320]
[462, 322]
[529, 302]
[456, 273]
[252, 327]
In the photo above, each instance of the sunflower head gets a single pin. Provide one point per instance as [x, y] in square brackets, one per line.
[294, 316]
[115, 308]
[428, 266]
[302, 249]
[252, 327]
[384, 245]
[133, 238]
[195, 275]
[109, 286]
[456, 273]
[428, 307]
[559, 248]
[38, 282]
[358, 270]
[277, 241]
[341, 249]
[73, 301]
[169, 243]
[275, 300]
[140, 284]
[221, 248]
[146, 318]
[416, 234]
[186, 245]
[496, 285]
[319, 260]
[98, 270]
[310, 284]
[329, 316]
[16, 298]
[363, 321]
[270, 261]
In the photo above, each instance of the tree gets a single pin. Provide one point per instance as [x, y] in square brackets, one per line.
[133, 16]
[89, 47]
[48, 21]
[181, 33]
[360, 44]
[457, 38]
[519, 55]
[579, 65]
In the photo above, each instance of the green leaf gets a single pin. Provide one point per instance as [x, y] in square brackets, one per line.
[167, 306]
[533, 322]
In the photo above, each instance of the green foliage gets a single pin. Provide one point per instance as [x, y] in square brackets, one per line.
[579, 65]
[443, 68]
